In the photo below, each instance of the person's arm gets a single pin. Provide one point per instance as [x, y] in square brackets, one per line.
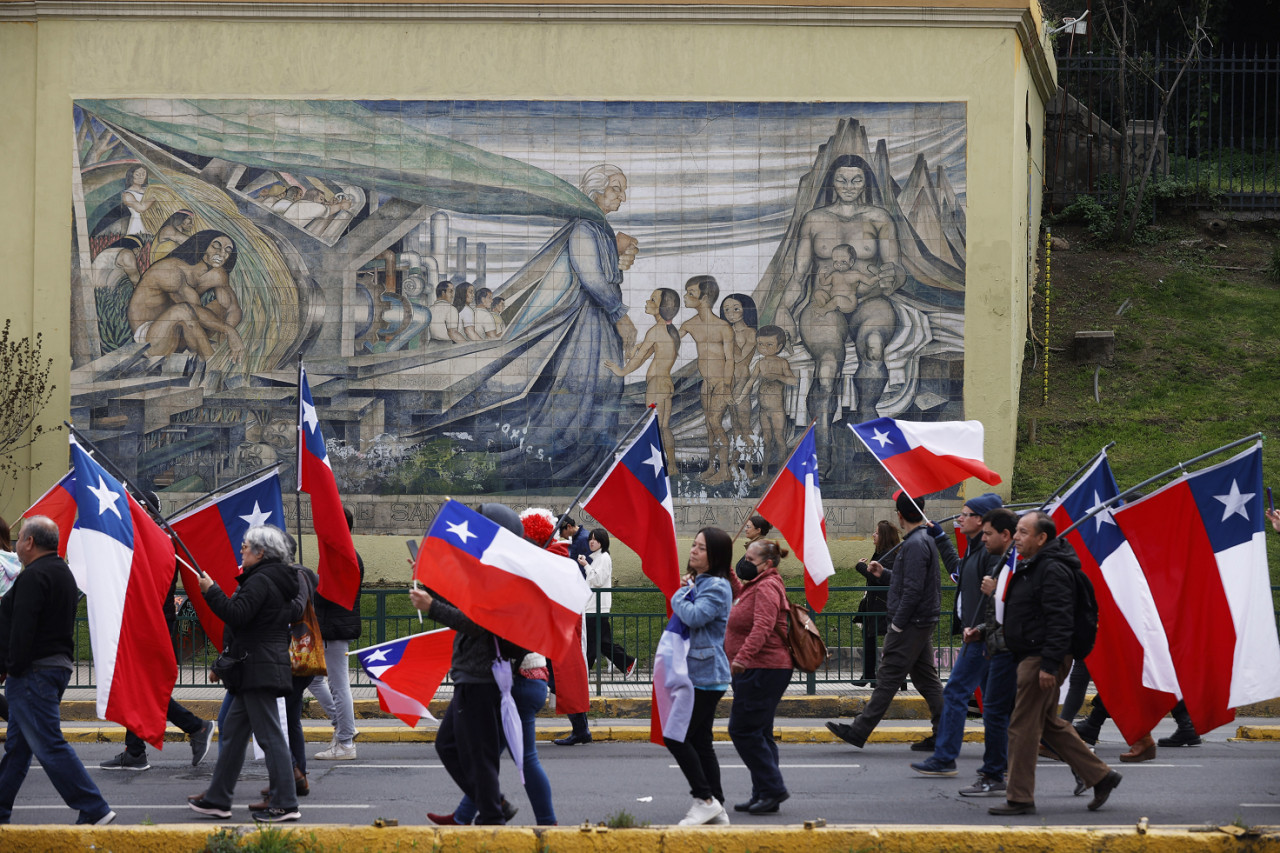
[445, 613]
[28, 589]
[1057, 602]
[914, 565]
[244, 606]
[641, 355]
[946, 550]
[712, 601]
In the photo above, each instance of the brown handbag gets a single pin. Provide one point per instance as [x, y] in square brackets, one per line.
[306, 648]
[808, 652]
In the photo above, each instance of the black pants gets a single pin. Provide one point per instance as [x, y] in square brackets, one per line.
[469, 744]
[870, 633]
[178, 715]
[614, 652]
[696, 754]
[293, 720]
[1077, 684]
[756, 694]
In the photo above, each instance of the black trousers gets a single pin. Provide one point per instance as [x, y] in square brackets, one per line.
[293, 719]
[469, 744]
[178, 715]
[615, 653]
[696, 754]
[756, 694]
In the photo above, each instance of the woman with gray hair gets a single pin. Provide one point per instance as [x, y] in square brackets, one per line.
[257, 636]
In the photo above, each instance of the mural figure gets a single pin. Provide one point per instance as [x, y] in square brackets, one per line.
[176, 229]
[714, 340]
[166, 310]
[486, 326]
[768, 379]
[464, 301]
[840, 287]
[445, 322]
[739, 311]
[499, 325]
[117, 263]
[662, 343]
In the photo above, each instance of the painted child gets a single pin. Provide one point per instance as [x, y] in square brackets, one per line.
[840, 287]
[769, 375]
[663, 343]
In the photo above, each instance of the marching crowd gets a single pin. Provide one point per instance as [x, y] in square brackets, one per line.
[1020, 631]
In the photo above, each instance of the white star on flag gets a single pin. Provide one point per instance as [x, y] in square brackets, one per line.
[1103, 517]
[1235, 502]
[309, 416]
[461, 531]
[107, 498]
[258, 517]
[882, 437]
[374, 657]
[655, 460]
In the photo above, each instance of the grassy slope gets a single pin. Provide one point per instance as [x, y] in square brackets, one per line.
[1197, 359]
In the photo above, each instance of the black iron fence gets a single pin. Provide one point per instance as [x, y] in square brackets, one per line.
[1220, 143]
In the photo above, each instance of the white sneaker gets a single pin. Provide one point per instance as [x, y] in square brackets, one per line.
[337, 752]
[701, 812]
[721, 819]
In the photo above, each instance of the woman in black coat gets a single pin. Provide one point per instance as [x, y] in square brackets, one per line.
[257, 635]
[872, 607]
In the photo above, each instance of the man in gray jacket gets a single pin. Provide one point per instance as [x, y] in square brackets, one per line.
[915, 600]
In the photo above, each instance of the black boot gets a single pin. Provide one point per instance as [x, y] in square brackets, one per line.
[1091, 726]
[1185, 735]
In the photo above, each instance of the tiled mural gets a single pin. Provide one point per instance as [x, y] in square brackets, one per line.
[487, 294]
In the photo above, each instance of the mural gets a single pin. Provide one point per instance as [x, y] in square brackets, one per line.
[487, 294]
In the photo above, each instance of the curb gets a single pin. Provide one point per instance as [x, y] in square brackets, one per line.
[191, 838]
[1255, 733]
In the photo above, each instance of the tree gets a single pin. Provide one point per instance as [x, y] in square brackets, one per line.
[24, 392]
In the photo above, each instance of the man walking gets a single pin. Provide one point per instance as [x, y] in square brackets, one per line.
[915, 599]
[1039, 615]
[978, 666]
[37, 630]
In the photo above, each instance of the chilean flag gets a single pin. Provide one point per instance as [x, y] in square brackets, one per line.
[408, 672]
[58, 504]
[633, 502]
[793, 505]
[1130, 662]
[338, 568]
[1202, 546]
[502, 582]
[124, 563]
[213, 534]
[672, 707]
[927, 457]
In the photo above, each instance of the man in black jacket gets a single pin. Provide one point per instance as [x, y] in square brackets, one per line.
[915, 599]
[1039, 616]
[37, 639]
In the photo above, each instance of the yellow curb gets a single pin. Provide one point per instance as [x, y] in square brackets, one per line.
[1255, 733]
[193, 838]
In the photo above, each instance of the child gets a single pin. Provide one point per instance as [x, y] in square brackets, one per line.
[840, 287]
[771, 372]
[662, 342]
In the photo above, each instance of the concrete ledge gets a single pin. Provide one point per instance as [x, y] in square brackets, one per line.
[191, 838]
[1256, 733]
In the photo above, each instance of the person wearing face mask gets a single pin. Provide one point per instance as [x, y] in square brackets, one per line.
[761, 670]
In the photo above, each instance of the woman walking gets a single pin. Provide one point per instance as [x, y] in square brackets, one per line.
[703, 606]
[761, 668]
[872, 607]
[599, 569]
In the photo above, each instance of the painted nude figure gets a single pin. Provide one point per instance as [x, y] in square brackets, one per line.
[662, 342]
[739, 311]
[714, 339]
[166, 310]
[769, 376]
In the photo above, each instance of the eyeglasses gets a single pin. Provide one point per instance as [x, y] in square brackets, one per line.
[967, 514]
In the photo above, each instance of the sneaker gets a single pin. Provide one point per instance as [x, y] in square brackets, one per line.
[933, 767]
[275, 815]
[986, 786]
[202, 806]
[926, 745]
[337, 752]
[721, 819]
[105, 819]
[701, 812]
[125, 761]
[200, 743]
[631, 667]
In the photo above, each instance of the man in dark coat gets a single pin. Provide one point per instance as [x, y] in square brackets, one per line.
[37, 639]
[1039, 618]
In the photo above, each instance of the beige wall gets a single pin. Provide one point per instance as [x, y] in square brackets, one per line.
[46, 65]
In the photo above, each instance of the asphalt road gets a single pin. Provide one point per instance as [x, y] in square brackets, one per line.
[1217, 783]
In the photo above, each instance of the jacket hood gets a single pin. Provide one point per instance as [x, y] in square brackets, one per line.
[1059, 549]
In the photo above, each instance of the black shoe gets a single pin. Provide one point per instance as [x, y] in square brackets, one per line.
[573, 738]
[926, 745]
[745, 807]
[204, 807]
[1103, 789]
[275, 815]
[127, 761]
[1012, 808]
[508, 810]
[845, 732]
[1081, 787]
[200, 743]
[769, 805]
[1087, 733]
[1181, 738]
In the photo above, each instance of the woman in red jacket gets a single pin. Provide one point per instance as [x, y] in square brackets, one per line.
[761, 668]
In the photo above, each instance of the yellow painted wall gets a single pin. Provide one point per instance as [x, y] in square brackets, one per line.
[46, 65]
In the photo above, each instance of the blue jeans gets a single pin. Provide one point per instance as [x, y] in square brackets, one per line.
[756, 694]
[998, 679]
[35, 729]
[530, 695]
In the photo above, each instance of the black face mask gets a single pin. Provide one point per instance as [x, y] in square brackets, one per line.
[746, 569]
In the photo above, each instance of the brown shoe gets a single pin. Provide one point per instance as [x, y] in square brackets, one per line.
[1144, 749]
[262, 806]
[300, 782]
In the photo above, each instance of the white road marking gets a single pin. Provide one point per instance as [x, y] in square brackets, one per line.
[783, 766]
[169, 806]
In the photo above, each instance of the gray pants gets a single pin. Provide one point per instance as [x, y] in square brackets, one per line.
[253, 712]
[336, 662]
[906, 652]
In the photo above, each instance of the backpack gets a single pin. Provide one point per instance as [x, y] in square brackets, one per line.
[803, 641]
[1084, 623]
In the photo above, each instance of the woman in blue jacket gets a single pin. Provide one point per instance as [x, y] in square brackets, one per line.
[703, 606]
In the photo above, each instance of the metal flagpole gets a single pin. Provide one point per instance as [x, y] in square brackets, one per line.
[237, 481]
[650, 413]
[297, 493]
[1181, 467]
[774, 481]
[143, 498]
[890, 473]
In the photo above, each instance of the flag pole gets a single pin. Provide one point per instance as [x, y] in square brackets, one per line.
[226, 486]
[774, 481]
[651, 411]
[1078, 472]
[1181, 467]
[152, 507]
[910, 497]
[1024, 505]
[297, 492]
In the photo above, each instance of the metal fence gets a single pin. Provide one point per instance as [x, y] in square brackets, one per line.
[1220, 144]
[387, 615]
